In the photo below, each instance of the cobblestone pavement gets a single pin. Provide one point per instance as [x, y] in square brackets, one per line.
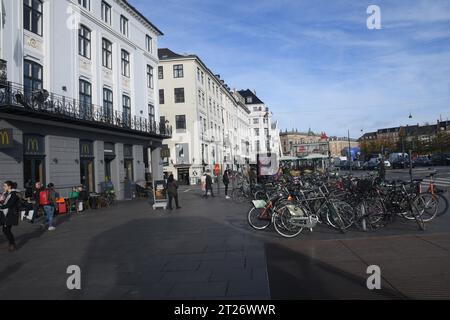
[206, 250]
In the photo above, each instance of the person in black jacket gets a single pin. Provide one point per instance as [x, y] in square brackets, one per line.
[208, 185]
[172, 191]
[226, 182]
[9, 212]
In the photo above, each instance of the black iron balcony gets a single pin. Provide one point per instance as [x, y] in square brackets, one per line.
[40, 103]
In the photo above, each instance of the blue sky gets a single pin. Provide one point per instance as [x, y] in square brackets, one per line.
[315, 63]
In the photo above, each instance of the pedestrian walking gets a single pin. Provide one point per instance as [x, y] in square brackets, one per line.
[47, 199]
[208, 185]
[172, 191]
[226, 182]
[9, 212]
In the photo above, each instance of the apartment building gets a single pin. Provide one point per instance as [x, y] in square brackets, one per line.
[210, 125]
[79, 96]
[264, 132]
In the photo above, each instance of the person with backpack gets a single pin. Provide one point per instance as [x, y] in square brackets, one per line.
[47, 199]
[9, 212]
[172, 191]
[226, 182]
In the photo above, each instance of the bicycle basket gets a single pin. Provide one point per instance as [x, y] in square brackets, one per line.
[259, 204]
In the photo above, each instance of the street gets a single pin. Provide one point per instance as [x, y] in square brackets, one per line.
[206, 250]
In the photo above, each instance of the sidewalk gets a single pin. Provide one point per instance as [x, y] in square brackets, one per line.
[206, 250]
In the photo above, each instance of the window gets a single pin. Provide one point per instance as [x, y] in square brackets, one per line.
[257, 132]
[180, 122]
[209, 83]
[32, 16]
[106, 53]
[85, 97]
[149, 43]
[257, 147]
[126, 110]
[179, 95]
[203, 77]
[255, 121]
[151, 114]
[266, 132]
[160, 72]
[198, 74]
[249, 99]
[85, 4]
[84, 42]
[106, 12]
[32, 76]
[107, 103]
[178, 71]
[125, 64]
[161, 96]
[199, 97]
[124, 26]
[149, 77]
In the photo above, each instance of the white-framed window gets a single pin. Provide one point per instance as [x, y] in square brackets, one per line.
[84, 42]
[106, 12]
[125, 57]
[149, 43]
[150, 76]
[106, 53]
[85, 4]
[124, 26]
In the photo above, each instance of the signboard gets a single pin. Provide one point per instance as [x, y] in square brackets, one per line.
[6, 138]
[33, 145]
[160, 194]
[165, 153]
[86, 149]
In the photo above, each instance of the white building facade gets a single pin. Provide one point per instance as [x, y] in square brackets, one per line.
[264, 132]
[209, 125]
[83, 72]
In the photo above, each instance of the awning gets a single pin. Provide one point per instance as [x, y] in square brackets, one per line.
[315, 156]
[287, 158]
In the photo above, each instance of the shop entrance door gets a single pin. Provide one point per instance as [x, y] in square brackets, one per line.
[34, 170]
[87, 174]
[183, 176]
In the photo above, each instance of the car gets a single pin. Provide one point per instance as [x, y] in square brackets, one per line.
[372, 164]
[402, 163]
[387, 164]
[440, 159]
[422, 162]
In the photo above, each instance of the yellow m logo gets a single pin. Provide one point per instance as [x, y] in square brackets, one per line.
[4, 137]
[33, 145]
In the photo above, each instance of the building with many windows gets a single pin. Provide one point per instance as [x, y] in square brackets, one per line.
[264, 132]
[78, 100]
[210, 121]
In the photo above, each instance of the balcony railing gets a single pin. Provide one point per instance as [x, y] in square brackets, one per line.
[49, 104]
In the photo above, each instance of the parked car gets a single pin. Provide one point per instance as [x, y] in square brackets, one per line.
[422, 162]
[440, 159]
[402, 163]
[372, 164]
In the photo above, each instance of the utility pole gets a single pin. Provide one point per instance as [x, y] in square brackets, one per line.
[350, 160]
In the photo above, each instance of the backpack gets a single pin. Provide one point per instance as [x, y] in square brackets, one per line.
[44, 197]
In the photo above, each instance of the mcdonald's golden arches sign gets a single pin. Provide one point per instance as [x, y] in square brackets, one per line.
[6, 138]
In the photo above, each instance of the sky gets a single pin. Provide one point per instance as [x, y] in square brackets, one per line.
[315, 63]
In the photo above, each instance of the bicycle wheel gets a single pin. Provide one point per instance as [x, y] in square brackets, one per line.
[417, 214]
[260, 195]
[340, 215]
[429, 203]
[238, 196]
[259, 218]
[283, 223]
[442, 204]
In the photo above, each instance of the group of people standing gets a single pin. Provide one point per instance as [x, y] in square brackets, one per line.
[11, 202]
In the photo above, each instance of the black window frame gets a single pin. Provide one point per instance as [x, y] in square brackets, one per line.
[178, 71]
[162, 99]
[85, 98]
[84, 41]
[160, 72]
[33, 16]
[151, 114]
[177, 95]
[126, 110]
[125, 63]
[180, 122]
[108, 104]
[106, 13]
[34, 79]
[107, 51]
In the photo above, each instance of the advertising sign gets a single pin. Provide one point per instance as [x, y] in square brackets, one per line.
[160, 191]
[267, 164]
[6, 138]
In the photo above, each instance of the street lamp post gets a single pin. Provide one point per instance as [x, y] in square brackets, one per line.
[350, 160]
